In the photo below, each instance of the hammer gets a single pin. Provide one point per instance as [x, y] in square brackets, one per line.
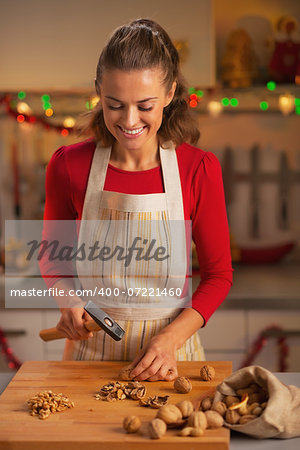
[101, 321]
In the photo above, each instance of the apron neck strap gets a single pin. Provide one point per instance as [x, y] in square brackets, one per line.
[170, 172]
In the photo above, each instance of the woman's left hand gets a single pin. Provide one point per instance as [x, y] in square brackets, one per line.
[157, 361]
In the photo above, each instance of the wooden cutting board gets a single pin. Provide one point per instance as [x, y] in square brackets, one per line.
[93, 424]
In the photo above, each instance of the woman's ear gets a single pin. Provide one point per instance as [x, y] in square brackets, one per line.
[170, 94]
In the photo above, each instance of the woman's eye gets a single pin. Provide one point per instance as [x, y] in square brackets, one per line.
[145, 109]
[114, 107]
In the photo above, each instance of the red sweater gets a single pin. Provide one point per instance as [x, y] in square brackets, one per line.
[203, 202]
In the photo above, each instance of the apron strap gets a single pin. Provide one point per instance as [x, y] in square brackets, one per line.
[172, 182]
[95, 183]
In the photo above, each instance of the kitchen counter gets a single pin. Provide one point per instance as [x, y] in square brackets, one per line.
[237, 440]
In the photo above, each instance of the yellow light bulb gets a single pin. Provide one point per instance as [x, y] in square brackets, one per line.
[214, 108]
[69, 122]
[49, 112]
[286, 104]
[94, 101]
[23, 108]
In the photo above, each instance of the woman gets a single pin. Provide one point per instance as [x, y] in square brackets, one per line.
[141, 167]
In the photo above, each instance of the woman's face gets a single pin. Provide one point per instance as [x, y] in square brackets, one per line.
[133, 103]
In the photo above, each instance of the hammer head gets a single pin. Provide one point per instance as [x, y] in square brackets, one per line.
[104, 321]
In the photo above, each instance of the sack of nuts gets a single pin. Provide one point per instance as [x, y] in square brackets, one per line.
[260, 405]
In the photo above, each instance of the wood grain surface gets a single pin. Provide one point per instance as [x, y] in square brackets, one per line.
[93, 424]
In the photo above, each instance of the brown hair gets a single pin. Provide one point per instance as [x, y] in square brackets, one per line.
[144, 44]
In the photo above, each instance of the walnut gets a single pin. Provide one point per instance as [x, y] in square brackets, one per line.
[169, 414]
[185, 431]
[257, 411]
[186, 407]
[124, 374]
[220, 408]
[196, 432]
[131, 424]
[182, 385]
[252, 407]
[246, 419]
[232, 416]
[157, 428]
[198, 420]
[230, 400]
[207, 373]
[206, 404]
[214, 419]
[154, 402]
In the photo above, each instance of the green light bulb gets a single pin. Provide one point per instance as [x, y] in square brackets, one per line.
[87, 105]
[199, 93]
[297, 101]
[21, 95]
[297, 110]
[234, 102]
[225, 101]
[192, 90]
[264, 106]
[271, 85]
[47, 105]
[45, 98]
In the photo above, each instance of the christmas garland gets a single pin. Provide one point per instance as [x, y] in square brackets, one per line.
[261, 341]
[33, 119]
[12, 362]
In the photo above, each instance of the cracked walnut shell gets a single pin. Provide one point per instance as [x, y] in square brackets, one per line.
[182, 385]
[207, 373]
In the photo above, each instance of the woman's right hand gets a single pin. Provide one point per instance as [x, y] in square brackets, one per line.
[71, 323]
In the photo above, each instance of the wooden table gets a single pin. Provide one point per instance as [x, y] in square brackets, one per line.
[93, 424]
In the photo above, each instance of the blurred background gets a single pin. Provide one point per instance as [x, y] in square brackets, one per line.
[241, 61]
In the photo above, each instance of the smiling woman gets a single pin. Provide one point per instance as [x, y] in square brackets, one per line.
[139, 179]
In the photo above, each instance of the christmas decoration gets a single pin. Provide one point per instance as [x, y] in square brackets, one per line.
[261, 341]
[284, 66]
[33, 119]
[12, 362]
[239, 64]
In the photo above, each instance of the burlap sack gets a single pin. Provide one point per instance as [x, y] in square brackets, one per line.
[281, 417]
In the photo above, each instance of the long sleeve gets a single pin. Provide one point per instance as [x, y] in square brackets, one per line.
[211, 236]
[59, 221]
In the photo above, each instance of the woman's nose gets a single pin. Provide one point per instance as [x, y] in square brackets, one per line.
[131, 117]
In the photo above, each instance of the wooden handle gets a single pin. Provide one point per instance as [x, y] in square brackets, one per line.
[51, 334]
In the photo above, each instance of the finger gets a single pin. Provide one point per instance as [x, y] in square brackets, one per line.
[151, 370]
[161, 374]
[136, 360]
[143, 364]
[171, 374]
[78, 328]
[65, 330]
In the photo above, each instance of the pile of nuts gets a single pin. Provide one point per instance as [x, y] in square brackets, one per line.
[47, 402]
[246, 405]
[114, 390]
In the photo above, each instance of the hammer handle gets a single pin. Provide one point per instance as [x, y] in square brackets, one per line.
[51, 334]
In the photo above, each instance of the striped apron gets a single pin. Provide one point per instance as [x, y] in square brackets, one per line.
[131, 293]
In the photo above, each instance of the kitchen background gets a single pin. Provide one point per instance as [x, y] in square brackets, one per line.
[242, 64]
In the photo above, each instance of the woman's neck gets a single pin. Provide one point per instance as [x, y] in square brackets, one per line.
[135, 159]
